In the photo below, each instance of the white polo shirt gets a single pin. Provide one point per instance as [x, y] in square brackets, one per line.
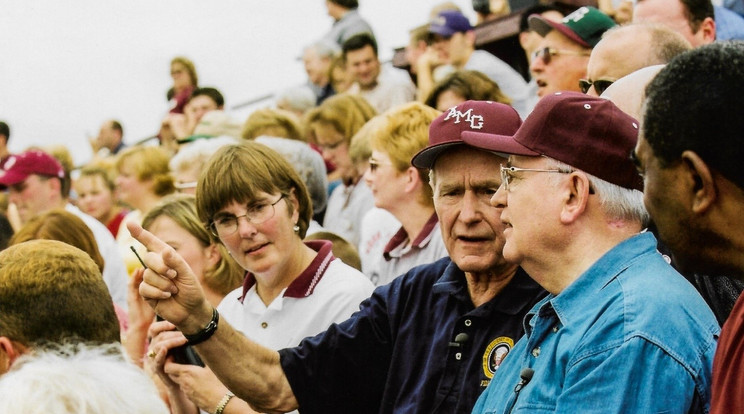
[328, 291]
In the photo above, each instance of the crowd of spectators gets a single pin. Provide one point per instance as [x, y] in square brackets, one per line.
[449, 236]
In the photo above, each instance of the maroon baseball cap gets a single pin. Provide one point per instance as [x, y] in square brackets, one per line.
[18, 167]
[478, 119]
[585, 132]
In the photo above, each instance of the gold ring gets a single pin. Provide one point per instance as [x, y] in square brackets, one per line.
[152, 353]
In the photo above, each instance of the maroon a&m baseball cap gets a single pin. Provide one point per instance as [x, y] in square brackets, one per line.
[585, 132]
[483, 119]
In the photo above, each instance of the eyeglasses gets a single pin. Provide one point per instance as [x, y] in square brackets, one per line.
[227, 224]
[508, 172]
[547, 53]
[373, 164]
[600, 85]
[185, 186]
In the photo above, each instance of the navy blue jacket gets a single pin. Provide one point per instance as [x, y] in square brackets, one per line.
[401, 352]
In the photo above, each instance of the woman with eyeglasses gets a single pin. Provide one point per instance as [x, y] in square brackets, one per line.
[256, 205]
[332, 125]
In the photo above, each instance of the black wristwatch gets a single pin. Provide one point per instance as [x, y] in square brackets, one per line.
[205, 333]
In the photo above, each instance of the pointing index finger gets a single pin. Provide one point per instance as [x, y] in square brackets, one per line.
[152, 243]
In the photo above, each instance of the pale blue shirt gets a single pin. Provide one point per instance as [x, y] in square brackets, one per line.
[630, 335]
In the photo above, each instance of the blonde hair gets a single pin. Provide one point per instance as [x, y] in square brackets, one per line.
[189, 66]
[149, 163]
[401, 133]
[345, 113]
[272, 122]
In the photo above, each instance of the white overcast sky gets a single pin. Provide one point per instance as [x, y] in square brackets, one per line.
[67, 66]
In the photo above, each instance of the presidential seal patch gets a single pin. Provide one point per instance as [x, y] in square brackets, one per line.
[495, 353]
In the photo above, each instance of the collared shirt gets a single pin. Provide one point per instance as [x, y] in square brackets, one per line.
[400, 256]
[630, 335]
[728, 382]
[394, 88]
[327, 291]
[418, 345]
[346, 207]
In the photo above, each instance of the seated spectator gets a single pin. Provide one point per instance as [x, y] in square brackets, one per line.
[110, 139]
[529, 40]
[213, 124]
[453, 43]
[317, 59]
[404, 190]
[464, 85]
[176, 127]
[96, 196]
[66, 227]
[258, 207]
[575, 221]
[77, 378]
[332, 125]
[695, 19]
[37, 183]
[51, 292]
[185, 80]
[487, 10]
[338, 76]
[561, 57]
[383, 87]
[273, 123]
[625, 49]
[190, 160]
[142, 180]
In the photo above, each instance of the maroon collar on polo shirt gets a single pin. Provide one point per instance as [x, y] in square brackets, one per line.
[304, 284]
[419, 242]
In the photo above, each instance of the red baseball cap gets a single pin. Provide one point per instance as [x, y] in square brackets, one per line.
[18, 167]
[585, 132]
[479, 119]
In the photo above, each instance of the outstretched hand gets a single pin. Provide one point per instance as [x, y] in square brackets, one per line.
[169, 286]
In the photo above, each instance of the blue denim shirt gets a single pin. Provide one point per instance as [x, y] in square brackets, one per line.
[630, 335]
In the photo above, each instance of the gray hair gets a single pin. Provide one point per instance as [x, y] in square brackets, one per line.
[78, 378]
[308, 164]
[324, 48]
[299, 98]
[198, 152]
[618, 203]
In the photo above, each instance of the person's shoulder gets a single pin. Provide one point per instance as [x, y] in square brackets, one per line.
[343, 277]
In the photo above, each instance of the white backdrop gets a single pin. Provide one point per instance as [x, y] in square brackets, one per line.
[67, 66]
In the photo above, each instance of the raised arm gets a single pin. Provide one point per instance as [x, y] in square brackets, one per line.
[249, 370]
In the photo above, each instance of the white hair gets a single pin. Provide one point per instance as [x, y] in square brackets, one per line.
[198, 152]
[618, 203]
[78, 379]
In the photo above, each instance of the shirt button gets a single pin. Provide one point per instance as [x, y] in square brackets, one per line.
[264, 325]
[536, 352]
[458, 356]
[467, 322]
[555, 328]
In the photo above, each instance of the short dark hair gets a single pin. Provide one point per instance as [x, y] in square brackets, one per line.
[116, 126]
[347, 4]
[212, 93]
[536, 9]
[693, 104]
[696, 11]
[5, 130]
[359, 41]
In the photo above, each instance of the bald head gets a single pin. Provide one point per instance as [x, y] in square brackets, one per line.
[625, 49]
[628, 93]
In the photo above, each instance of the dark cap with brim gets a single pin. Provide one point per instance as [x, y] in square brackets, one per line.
[587, 133]
[584, 26]
[476, 119]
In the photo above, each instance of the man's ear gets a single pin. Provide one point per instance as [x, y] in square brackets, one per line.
[575, 196]
[9, 352]
[708, 30]
[704, 192]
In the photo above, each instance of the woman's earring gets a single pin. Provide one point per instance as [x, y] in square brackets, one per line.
[296, 229]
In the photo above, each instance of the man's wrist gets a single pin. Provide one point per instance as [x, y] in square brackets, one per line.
[206, 332]
[197, 320]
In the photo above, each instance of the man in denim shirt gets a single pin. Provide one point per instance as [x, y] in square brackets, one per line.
[621, 331]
